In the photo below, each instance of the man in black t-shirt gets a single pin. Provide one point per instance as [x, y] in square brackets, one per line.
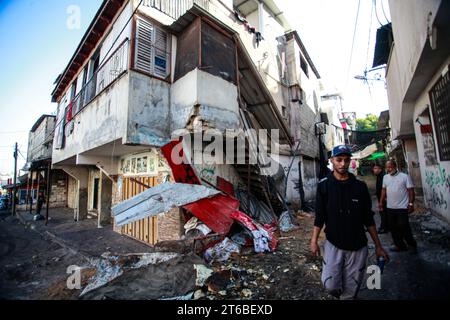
[344, 206]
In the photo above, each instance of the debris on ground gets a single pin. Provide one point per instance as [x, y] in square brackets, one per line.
[195, 228]
[109, 267]
[286, 222]
[175, 277]
[222, 251]
[203, 273]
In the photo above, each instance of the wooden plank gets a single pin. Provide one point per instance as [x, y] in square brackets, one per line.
[138, 229]
[146, 229]
[155, 229]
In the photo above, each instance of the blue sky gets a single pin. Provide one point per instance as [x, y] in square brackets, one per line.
[36, 47]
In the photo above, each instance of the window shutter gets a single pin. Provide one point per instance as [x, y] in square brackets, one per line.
[60, 121]
[144, 40]
[160, 55]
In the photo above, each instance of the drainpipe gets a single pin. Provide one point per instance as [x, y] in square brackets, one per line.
[261, 17]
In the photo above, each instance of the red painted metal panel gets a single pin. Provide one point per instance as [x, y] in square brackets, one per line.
[225, 186]
[215, 212]
[183, 172]
[219, 212]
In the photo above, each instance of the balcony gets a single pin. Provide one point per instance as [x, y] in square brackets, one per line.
[116, 110]
[175, 8]
[111, 70]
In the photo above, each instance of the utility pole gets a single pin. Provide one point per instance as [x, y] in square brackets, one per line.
[14, 182]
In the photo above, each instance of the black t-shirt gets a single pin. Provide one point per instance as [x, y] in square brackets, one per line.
[345, 208]
[379, 185]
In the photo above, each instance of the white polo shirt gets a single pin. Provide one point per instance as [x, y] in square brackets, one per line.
[397, 190]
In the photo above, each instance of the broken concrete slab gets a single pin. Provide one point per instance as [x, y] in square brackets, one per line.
[203, 273]
[172, 278]
[109, 267]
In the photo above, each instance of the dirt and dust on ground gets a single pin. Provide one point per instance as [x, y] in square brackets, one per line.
[33, 266]
[290, 272]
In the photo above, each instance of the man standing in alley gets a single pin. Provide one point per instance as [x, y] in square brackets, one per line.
[378, 171]
[40, 203]
[398, 190]
[344, 206]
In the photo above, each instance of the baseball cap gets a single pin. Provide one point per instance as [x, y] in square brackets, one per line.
[340, 150]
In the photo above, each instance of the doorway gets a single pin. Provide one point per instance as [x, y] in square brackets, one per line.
[95, 197]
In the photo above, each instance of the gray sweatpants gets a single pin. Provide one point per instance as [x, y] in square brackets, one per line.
[343, 271]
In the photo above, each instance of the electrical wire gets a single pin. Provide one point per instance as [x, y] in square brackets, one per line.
[376, 14]
[20, 152]
[370, 34]
[384, 13]
[353, 41]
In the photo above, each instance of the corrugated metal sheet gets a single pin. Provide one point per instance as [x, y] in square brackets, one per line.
[159, 199]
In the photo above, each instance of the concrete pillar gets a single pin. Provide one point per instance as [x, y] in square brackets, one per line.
[81, 175]
[105, 194]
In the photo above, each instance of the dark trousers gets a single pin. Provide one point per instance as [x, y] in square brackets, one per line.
[384, 225]
[398, 220]
[384, 220]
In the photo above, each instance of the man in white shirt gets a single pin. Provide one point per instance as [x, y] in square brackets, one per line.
[398, 189]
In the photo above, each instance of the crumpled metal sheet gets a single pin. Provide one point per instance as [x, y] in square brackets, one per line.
[183, 172]
[263, 236]
[215, 212]
[159, 199]
[257, 209]
[220, 211]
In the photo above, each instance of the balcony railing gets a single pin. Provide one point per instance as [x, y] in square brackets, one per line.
[175, 8]
[107, 73]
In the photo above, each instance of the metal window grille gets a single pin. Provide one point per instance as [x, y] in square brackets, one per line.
[440, 107]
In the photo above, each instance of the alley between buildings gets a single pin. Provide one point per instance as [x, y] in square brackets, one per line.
[34, 261]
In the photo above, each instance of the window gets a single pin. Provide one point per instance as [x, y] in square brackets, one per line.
[73, 90]
[151, 54]
[142, 164]
[304, 66]
[297, 94]
[440, 106]
[216, 54]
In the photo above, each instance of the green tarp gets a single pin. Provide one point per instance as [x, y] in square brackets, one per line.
[376, 155]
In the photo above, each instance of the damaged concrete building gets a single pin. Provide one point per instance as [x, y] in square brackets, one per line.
[41, 178]
[147, 69]
[416, 53]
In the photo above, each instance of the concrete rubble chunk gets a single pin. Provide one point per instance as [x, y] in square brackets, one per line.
[247, 293]
[109, 267]
[222, 251]
[199, 294]
[219, 281]
[203, 273]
